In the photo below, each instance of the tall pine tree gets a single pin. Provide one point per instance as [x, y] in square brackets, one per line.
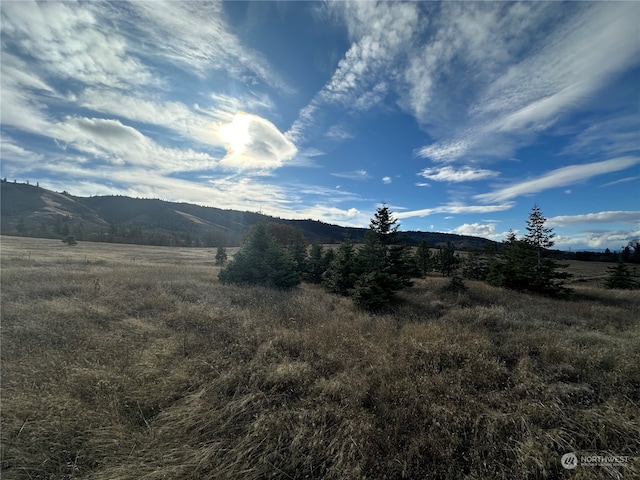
[384, 263]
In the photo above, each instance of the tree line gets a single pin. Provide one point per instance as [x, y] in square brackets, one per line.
[372, 273]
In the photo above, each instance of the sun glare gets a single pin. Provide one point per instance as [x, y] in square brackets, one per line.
[235, 135]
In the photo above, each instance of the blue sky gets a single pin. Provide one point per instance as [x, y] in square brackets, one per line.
[460, 116]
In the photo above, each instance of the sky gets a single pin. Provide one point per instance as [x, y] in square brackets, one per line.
[460, 116]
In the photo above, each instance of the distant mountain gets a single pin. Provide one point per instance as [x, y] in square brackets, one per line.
[30, 210]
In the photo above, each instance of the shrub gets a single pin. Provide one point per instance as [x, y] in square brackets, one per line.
[70, 240]
[221, 256]
[455, 285]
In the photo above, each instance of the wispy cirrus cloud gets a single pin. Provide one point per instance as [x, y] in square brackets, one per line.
[511, 101]
[338, 132]
[612, 136]
[12, 151]
[194, 36]
[379, 31]
[70, 43]
[451, 174]
[354, 175]
[558, 178]
[622, 180]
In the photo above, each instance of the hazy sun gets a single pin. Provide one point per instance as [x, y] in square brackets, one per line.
[235, 135]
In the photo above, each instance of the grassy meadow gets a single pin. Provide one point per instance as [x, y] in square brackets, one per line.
[134, 362]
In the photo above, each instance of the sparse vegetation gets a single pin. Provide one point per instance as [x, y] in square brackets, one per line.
[126, 362]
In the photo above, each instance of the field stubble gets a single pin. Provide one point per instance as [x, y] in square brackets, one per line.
[148, 369]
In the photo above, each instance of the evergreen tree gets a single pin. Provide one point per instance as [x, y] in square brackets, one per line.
[475, 266]
[424, 259]
[538, 235]
[298, 250]
[446, 260]
[221, 256]
[524, 265]
[315, 266]
[384, 263]
[384, 225]
[377, 281]
[341, 274]
[620, 277]
[79, 231]
[69, 240]
[261, 261]
[65, 228]
[402, 262]
[21, 227]
[515, 269]
[328, 258]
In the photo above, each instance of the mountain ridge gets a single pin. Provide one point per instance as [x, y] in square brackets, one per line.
[30, 210]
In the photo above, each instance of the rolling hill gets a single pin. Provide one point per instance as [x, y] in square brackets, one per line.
[30, 210]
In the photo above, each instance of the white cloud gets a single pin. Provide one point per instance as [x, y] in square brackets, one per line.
[338, 132]
[9, 150]
[450, 174]
[250, 102]
[559, 178]
[231, 192]
[422, 184]
[444, 153]
[254, 143]
[350, 217]
[456, 209]
[113, 142]
[480, 230]
[172, 115]
[597, 239]
[386, 180]
[22, 94]
[599, 217]
[355, 175]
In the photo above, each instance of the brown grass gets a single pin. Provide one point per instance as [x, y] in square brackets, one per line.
[115, 369]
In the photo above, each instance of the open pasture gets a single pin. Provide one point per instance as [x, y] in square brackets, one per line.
[128, 362]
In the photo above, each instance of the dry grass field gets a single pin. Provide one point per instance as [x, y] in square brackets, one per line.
[128, 362]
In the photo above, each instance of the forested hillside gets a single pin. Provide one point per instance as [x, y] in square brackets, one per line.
[29, 210]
